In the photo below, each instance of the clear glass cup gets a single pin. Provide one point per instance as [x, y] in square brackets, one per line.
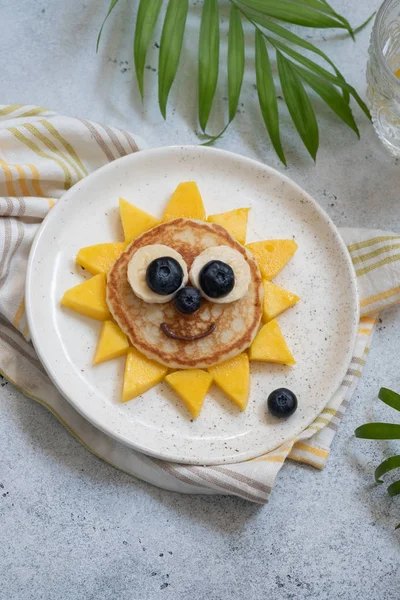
[383, 75]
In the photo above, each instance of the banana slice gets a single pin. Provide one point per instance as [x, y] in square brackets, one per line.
[137, 268]
[231, 257]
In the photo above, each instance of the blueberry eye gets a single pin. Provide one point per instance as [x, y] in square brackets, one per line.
[217, 279]
[221, 273]
[164, 275]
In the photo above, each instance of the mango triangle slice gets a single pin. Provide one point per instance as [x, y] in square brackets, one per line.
[89, 298]
[276, 300]
[234, 221]
[192, 386]
[233, 378]
[112, 343]
[134, 220]
[185, 202]
[141, 374]
[272, 255]
[269, 346]
[100, 257]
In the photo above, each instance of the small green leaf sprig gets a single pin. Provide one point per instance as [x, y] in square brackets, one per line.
[384, 431]
[297, 73]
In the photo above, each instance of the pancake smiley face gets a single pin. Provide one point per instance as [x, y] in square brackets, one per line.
[185, 300]
[187, 294]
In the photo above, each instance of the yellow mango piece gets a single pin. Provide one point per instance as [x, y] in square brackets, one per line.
[134, 220]
[100, 257]
[233, 378]
[112, 343]
[270, 346]
[272, 255]
[276, 300]
[185, 202]
[191, 386]
[141, 374]
[234, 221]
[89, 298]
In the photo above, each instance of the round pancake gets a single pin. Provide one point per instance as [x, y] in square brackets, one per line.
[236, 323]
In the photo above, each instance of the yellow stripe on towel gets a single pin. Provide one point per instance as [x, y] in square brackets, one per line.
[371, 242]
[381, 296]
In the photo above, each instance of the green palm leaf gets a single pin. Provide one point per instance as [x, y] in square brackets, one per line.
[170, 49]
[263, 14]
[360, 28]
[295, 39]
[235, 60]
[146, 20]
[325, 7]
[293, 12]
[378, 431]
[320, 71]
[299, 105]
[330, 95]
[390, 398]
[267, 95]
[394, 490]
[393, 462]
[112, 4]
[208, 59]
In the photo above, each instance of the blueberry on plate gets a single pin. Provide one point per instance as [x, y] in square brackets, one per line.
[217, 279]
[187, 300]
[282, 403]
[164, 275]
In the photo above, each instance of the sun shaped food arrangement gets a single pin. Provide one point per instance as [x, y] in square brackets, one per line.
[185, 300]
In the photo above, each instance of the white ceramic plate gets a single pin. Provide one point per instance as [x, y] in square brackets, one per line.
[320, 329]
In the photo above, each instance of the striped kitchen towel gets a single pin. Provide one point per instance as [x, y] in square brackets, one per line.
[42, 154]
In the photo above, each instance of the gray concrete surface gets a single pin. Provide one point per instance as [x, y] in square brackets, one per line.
[73, 527]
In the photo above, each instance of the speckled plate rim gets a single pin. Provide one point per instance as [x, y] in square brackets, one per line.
[62, 386]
